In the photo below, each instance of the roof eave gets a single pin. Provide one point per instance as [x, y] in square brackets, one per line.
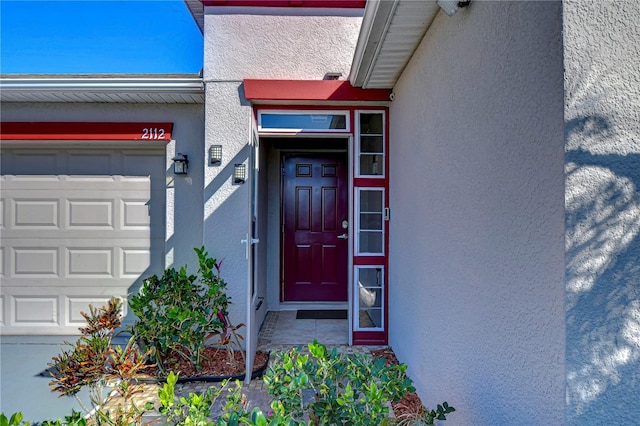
[388, 38]
[164, 89]
[375, 21]
[183, 85]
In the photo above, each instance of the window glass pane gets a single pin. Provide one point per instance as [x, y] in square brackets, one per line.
[371, 164]
[370, 297]
[370, 277]
[371, 144]
[371, 123]
[371, 221]
[371, 201]
[304, 121]
[370, 318]
[370, 242]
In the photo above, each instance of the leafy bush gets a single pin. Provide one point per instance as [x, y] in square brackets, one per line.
[93, 362]
[14, 420]
[346, 389]
[179, 311]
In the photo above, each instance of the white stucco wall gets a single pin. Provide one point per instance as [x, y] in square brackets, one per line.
[226, 205]
[257, 43]
[279, 43]
[602, 119]
[477, 198]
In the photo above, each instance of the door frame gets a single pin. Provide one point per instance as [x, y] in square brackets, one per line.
[348, 132]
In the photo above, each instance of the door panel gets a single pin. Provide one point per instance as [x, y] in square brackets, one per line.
[315, 203]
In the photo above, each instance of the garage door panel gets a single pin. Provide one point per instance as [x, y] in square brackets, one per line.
[92, 213]
[75, 305]
[135, 213]
[30, 163]
[30, 262]
[75, 183]
[79, 227]
[42, 213]
[90, 262]
[80, 258]
[134, 262]
[82, 163]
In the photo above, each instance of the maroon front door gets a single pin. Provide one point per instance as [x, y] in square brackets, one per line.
[315, 214]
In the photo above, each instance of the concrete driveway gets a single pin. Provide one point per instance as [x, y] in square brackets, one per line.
[22, 359]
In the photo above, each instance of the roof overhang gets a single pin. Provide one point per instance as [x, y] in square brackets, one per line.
[161, 89]
[390, 33]
[196, 8]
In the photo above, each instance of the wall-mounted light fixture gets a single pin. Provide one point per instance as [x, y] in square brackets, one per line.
[239, 173]
[180, 164]
[450, 7]
[215, 155]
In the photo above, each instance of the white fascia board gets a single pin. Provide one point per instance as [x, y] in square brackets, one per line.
[103, 85]
[375, 22]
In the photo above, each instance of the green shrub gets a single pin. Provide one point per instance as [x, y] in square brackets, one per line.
[179, 311]
[345, 389]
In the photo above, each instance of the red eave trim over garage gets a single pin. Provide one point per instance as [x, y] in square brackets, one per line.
[85, 131]
[311, 90]
[336, 4]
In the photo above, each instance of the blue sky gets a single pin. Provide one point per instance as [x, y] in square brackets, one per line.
[85, 36]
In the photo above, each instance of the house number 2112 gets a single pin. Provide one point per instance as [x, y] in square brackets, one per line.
[152, 133]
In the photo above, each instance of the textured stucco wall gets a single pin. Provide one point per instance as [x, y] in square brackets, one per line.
[602, 123]
[477, 277]
[226, 205]
[278, 43]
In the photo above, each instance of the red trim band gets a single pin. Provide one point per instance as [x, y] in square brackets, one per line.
[311, 90]
[334, 4]
[85, 131]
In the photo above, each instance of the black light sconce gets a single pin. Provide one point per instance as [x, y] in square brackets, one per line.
[180, 164]
[215, 155]
[239, 173]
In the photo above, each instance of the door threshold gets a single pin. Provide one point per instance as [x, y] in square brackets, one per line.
[325, 306]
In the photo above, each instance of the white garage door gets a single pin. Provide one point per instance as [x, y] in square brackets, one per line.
[78, 226]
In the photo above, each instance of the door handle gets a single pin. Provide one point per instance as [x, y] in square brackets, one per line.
[343, 236]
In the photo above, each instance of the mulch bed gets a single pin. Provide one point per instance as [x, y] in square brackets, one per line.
[216, 362]
[411, 402]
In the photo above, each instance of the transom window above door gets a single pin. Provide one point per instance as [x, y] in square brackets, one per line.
[304, 121]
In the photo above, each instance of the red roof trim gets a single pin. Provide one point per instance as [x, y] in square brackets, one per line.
[147, 131]
[335, 4]
[311, 90]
